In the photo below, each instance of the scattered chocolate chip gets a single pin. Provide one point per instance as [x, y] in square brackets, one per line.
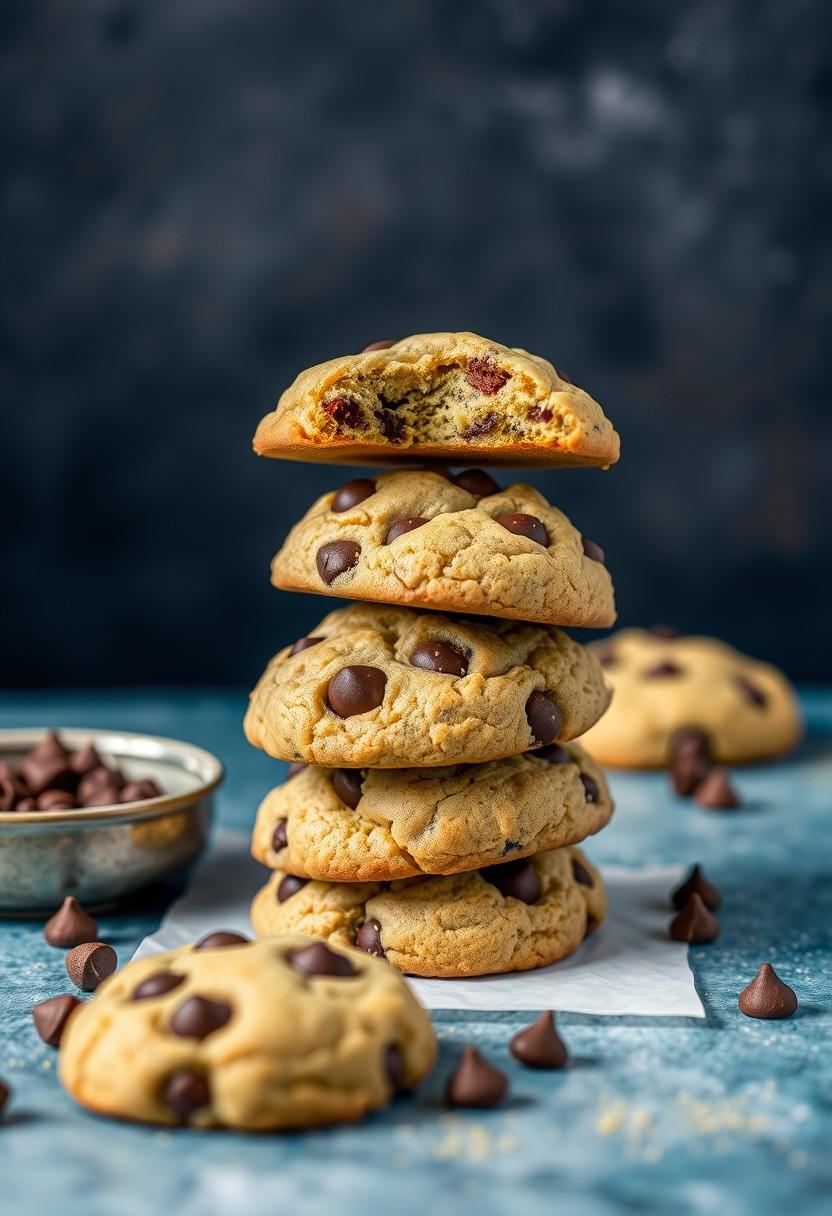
[524, 525]
[348, 785]
[475, 1082]
[767, 996]
[185, 1092]
[392, 427]
[220, 940]
[751, 691]
[289, 886]
[384, 344]
[485, 376]
[484, 425]
[336, 557]
[694, 924]
[401, 526]
[368, 938]
[294, 769]
[279, 839]
[540, 1045]
[304, 644]
[716, 793]
[515, 880]
[50, 1017]
[593, 794]
[89, 964]
[690, 759]
[476, 481]
[71, 925]
[356, 690]
[663, 671]
[344, 411]
[697, 884]
[544, 717]
[55, 800]
[85, 760]
[318, 959]
[5, 1094]
[394, 1067]
[555, 753]
[581, 874]
[593, 551]
[664, 631]
[352, 493]
[140, 791]
[198, 1017]
[441, 657]
[160, 983]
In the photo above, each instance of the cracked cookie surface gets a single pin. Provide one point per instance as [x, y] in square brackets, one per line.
[191, 1037]
[438, 396]
[370, 825]
[459, 925]
[663, 684]
[389, 687]
[422, 539]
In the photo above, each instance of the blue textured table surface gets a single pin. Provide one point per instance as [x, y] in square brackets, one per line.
[723, 1115]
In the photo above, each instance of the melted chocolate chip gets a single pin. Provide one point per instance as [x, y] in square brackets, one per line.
[441, 657]
[368, 939]
[767, 996]
[220, 940]
[540, 1045]
[318, 959]
[484, 425]
[476, 1083]
[185, 1092]
[544, 717]
[279, 838]
[392, 427]
[751, 691]
[304, 644]
[593, 551]
[347, 783]
[593, 794]
[581, 874]
[344, 412]
[289, 886]
[485, 376]
[401, 526]
[524, 525]
[336, 558]
[356, 690]
[352, 493]
[158, 984]
[663, 670]
[198, 1017]
[555, 753]
[539, 413]
[515, 880]
[476, 481]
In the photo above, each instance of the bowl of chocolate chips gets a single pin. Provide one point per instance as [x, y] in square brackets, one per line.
[97, 814]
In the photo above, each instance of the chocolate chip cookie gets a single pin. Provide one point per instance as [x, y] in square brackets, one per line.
[260, 1036]
[511, 917]
[438, 397]
[371, 825]
[380, 687]
[426, 540]
[665, 684]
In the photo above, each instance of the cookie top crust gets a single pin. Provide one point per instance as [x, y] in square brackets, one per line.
[424, 539]
[191, 1036]
[383, 687]
[663, 684]
[511, 917]
[438, 397]
[371, 825]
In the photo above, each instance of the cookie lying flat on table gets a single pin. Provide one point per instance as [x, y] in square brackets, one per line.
[394, 688]
[662, 685]
[511, 917]
[438, 396]
[371, 825]
[259, 1036]
[424, 540]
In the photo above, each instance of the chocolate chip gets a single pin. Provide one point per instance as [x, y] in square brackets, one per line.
[384, 344]
[344, 411]
[663, 671]
[751, 691]
[539, 413]
[294, 769]
[50, 1017]
[348, 785]
[279, 839]
[554, 753]
[368, 938]
[510, 846]
[97, 780]
[607, 658]
[105, 795]
[524, 525]
[85, 760]
[694, 924]
[289, 886]
[5, 1094]
[46, 766]
[140, 791]
[476, 481]
[304, 644]
[11, 790]
[89, 964]
[540, 1045]
[690, 759]
[318, 959]
[401, 526]
[485, 376]
[198, 1017]
[336, 558]
[185, 1092]
[220, 940]
[767, 996]
[394, 1068]
[55, 800]
[356, 690]
[475, 1082]
[581, 874]
[697, 883]
[442, 657]
[392, 427]
[70, 925]
[160, 983]
[515, 880]
[593, 551]
[484, 425]
[352, 493]
[544, 717]
[26, 804]
[593, 794]
[716, 793]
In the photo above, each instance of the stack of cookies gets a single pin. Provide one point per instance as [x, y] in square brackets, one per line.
[436, 794]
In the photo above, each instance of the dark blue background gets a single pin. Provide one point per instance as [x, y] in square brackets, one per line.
[200, 198]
